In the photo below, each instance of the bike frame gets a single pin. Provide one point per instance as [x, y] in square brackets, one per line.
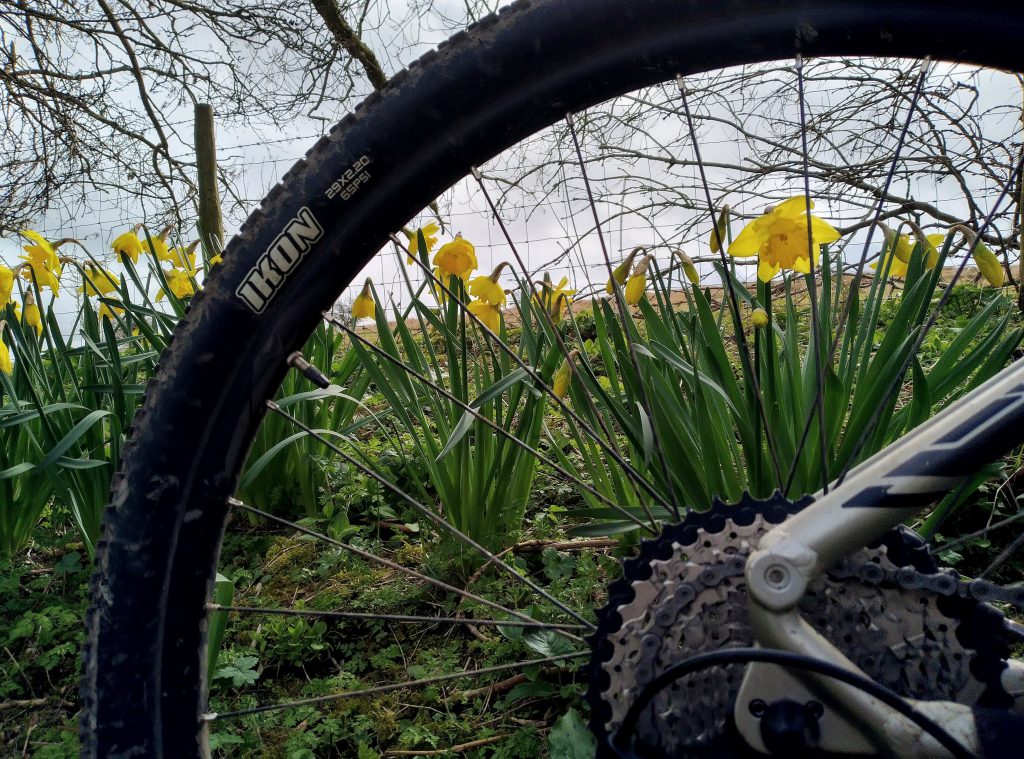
[883, 492]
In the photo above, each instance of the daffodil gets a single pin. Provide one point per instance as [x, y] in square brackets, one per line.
[486, 287]
[6, 365]
[157, 245]
[429, 232]
[97, 281]
[214, 260]
[720, 232]
[127, 246]
[935, 243]
[179, 282]
[488, 313]
[988, 264]
[6, 285]
[456, 258]
[363, 306]
[688, 268]
[32, 316]
[42, 251]
[563, 376]
[110, 312]
[35, 268]
[636, 285]
[759, 318]
[554, 299]
[779, 239]
[182, 258]
[621, 272]
[41, 261]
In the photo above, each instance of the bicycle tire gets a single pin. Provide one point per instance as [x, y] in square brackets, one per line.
[503, 79]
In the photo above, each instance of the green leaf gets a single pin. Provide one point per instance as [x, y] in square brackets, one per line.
[570, 738]
[500, 387]
[72, 437]
[548, 642]
[460, 431]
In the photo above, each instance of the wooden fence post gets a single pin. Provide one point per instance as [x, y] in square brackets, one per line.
[211, 224]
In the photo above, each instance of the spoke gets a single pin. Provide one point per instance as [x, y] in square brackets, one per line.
[741, 338]
[213, 716]
[1005, 555]
[235, 503]
[862, 262]
[952, 545]
[490, 423]
[437, 519]
[812, 285]
[554, 329]
[403, 618]
[933, 317]
[620, 304]
[638, 478]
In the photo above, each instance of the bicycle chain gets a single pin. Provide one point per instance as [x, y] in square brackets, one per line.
[917, 629]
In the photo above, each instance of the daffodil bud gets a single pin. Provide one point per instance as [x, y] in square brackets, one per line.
[562, 378]
[759, 318]
[688, 268]
[720, 232]
[636, 285]
[988, 264]
[32, 317]
[620, 272]
[987, 261]
[6, 365]
[363, 306]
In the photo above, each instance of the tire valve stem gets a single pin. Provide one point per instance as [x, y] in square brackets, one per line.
[310, 372]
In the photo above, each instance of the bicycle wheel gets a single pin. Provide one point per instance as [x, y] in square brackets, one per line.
[484, 91]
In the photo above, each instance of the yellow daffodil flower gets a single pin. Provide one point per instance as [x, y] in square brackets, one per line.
[6, 285]
[488, 313]
[97, 281]
[429, 237]
[720, 232]
[179, 282]
[988, 264]
[108, 312]
[456, 258]
[32, 316]
[779, 239]
[42, 251]
[217, 259]
[181, 258]
[554, 299]
[486, 287]
[6, 365]
[621, 272]
[688, 268]
[35, 268]
[931, 256]
[363, 306]
[157, 245]
[759, 318]
[127, 246]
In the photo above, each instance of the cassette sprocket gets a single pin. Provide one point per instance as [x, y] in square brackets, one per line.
[685, 595]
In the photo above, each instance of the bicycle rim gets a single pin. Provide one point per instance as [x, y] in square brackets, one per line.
[485, 90]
